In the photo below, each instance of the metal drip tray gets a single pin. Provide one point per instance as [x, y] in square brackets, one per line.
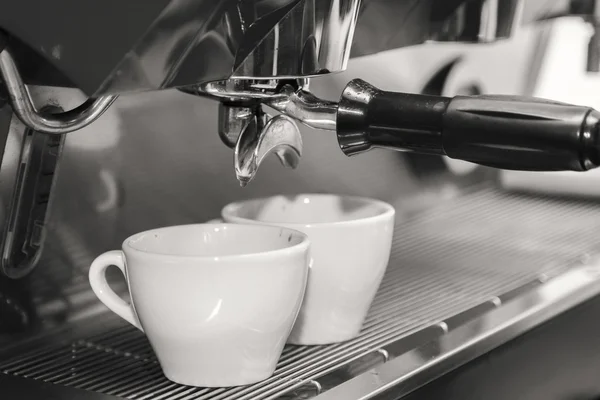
[450, 265]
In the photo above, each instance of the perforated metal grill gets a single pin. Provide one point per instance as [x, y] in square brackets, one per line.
[445, 260]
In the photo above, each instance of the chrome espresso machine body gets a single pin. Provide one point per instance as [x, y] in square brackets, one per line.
[143, 105]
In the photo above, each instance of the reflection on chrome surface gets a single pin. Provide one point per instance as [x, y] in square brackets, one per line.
[248, 39]
[312, 38]
[173, 43]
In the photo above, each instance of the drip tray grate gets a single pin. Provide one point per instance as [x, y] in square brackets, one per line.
[445, 260]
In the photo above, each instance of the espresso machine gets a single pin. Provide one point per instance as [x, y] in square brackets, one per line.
[483, 284]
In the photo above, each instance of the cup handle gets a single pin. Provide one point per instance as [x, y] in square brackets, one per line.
[104, 292]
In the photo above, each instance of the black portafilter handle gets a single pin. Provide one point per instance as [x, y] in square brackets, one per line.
[507, 132]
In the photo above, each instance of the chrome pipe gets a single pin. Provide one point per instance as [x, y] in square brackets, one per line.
[25, 110]
[306, 108]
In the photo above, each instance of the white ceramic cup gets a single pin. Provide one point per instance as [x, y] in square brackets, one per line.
[350, 240]
[216, 301]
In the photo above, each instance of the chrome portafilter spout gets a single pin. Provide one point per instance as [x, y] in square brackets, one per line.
[248, 130]
[279, 136]
[507, 132]
[254, 135]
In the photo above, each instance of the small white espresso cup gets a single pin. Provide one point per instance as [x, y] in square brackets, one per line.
[216, 301]
[350, 246]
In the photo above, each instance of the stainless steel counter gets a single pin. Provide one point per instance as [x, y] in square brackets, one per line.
[466, 275]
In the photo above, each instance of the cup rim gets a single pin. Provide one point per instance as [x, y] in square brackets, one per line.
[301, 246]
[388, 211]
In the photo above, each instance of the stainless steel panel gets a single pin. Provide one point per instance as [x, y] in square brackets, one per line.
[451, 264]
[422, 365]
